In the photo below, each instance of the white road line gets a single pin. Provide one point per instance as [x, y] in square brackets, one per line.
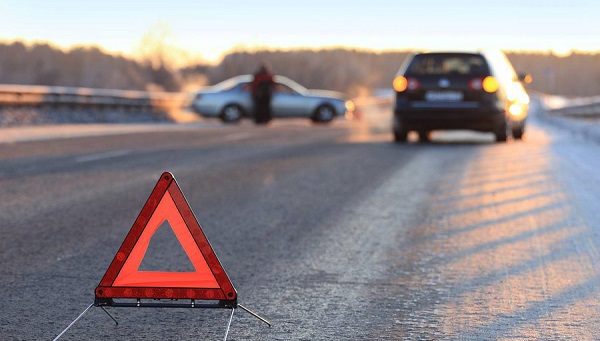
[101, 156]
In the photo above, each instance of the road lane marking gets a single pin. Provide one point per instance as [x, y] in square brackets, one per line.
[102, 156]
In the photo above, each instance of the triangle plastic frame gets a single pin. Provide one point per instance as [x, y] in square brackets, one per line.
[111, 286]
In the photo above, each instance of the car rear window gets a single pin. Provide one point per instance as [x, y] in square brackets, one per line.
[448, 64]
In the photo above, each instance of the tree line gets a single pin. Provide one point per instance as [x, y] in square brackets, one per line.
[356, 72]
[90, 67]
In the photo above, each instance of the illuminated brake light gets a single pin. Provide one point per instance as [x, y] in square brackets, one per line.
[400, 83]
[490, 84]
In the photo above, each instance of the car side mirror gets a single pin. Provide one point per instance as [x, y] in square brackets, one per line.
[525, 78]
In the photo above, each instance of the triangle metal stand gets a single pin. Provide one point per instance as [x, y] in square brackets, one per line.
[139, 304]
[249, 312]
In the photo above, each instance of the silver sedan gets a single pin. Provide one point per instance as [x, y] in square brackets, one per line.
[231, 100]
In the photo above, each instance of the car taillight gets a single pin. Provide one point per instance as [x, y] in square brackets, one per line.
[490, 84]
[476, 84]
[350, 106]
[413, 84]
[400, 83]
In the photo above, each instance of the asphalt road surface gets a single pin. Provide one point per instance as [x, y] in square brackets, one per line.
[330, 232]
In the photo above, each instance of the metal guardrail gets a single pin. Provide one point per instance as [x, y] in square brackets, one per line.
[151, 101]
[71, 97]
[588, 107]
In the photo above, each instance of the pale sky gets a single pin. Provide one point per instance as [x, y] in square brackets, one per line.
[211, 28]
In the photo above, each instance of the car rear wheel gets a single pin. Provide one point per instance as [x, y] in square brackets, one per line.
[232, 113]
[424, 136]
[324, 113]
[400, 135]
[501, 136]
[517, 132]
[500, 132]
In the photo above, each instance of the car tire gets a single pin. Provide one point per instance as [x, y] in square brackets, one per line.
[231, 113]
[324, 113]
[501, 136]
[517, 132]
[400, 136]
[424, 136]
[501, 132]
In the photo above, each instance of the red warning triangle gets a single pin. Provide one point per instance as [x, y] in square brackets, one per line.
[123, 279]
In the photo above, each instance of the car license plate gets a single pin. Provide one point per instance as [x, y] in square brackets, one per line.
[450, 96]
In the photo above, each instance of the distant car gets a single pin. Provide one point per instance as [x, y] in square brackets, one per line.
[231, 100]
[459, 90]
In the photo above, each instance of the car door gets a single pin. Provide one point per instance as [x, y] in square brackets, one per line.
[287, 102]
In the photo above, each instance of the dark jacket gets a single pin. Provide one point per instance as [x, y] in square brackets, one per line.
[262, 85]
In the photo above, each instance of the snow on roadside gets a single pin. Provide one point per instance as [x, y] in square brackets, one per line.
[20, 116]
[588, 128]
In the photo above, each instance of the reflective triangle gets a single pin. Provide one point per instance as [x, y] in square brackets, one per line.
[124, 279]
[131, 276]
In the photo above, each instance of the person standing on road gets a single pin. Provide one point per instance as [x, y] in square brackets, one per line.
[262, 90]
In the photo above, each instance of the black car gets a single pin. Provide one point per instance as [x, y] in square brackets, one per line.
[459, 90]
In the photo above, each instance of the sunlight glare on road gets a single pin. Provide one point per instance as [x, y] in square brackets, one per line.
[504, 243]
